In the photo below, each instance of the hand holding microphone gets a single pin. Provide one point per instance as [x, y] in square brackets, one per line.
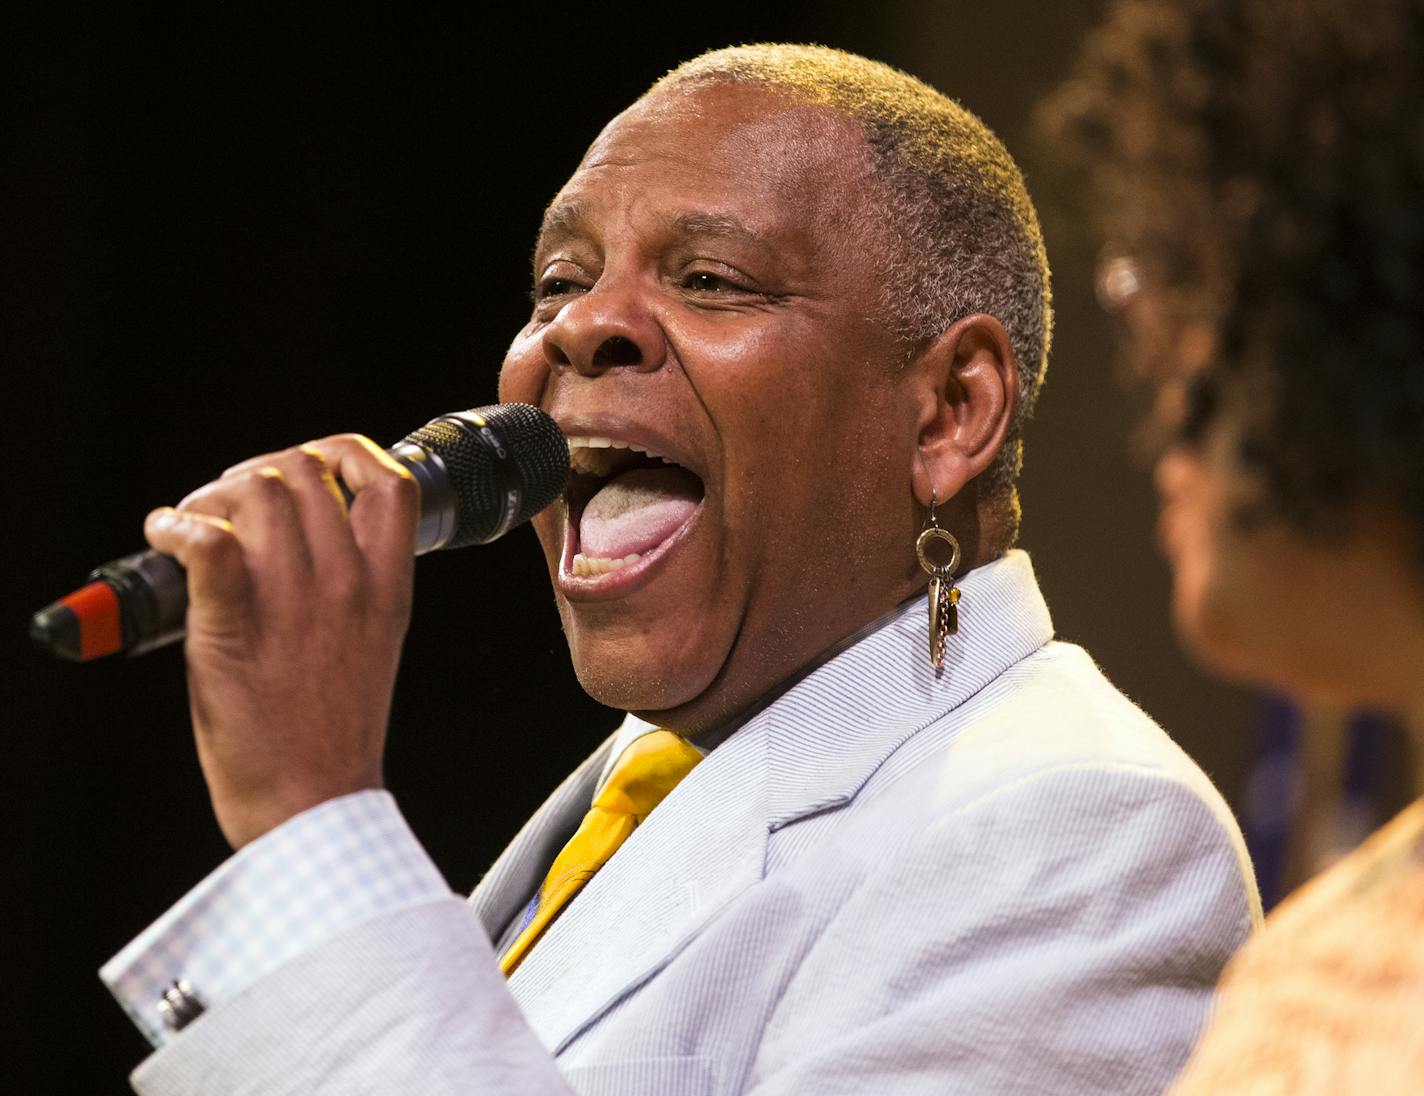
[479, 473]
[298, 587]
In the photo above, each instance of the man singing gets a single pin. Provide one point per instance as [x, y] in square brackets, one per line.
[791, 311]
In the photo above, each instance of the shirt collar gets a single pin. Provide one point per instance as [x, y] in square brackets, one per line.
[882, 678]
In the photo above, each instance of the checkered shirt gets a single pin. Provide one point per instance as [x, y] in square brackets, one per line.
[320, 873]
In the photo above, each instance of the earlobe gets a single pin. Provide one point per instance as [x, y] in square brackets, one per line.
[967, 390]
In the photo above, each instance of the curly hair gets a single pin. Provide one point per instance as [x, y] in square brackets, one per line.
[1262, 162]
[962, 231]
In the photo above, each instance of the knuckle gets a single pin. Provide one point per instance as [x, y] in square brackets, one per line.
[404, 486]
[345, 588]
[196, 498]
[310, 458]
[213, 540]
[267, 480]
[400, 486]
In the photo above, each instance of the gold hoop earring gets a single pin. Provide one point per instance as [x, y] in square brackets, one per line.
[944, 594]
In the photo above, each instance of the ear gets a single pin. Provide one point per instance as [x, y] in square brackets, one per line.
[966, 388]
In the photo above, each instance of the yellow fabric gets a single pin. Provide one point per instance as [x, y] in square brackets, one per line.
[647, 770]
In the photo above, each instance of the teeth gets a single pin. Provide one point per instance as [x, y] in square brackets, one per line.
[597, 565]
[584, 454]
[582, 442]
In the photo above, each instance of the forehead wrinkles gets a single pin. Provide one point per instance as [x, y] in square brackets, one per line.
[762, 172]
[817, 163]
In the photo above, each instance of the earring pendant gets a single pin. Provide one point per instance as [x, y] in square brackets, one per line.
[943, 593]
[944, 617]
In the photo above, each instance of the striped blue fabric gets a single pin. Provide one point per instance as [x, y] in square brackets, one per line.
[1001, 878]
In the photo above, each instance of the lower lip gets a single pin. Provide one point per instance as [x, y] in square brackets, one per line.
[617, 583]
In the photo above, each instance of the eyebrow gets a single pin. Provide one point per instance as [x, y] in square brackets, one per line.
[714, 225]
[561, 220]
[570, 219]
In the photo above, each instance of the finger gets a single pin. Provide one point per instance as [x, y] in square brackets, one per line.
[260, 507]
[280, 458]
[321, 509]
[385, 507]
[208, 549]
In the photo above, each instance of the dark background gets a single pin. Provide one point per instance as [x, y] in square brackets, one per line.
[224, 234]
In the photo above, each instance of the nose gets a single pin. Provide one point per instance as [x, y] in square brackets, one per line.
[605, 328]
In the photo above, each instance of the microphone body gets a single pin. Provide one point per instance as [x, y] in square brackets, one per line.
[480, 473]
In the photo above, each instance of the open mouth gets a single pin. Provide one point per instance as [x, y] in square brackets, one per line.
[624, 503]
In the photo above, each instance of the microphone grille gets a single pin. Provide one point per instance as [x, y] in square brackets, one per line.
[507, 456]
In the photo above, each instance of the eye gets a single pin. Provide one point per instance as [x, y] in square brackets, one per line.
[702, 282]
[545, 288]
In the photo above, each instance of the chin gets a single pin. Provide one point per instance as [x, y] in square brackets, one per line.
[637, 673]
[1222, 639]
[1250, 646]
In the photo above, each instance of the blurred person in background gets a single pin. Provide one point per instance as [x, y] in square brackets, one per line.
[1257, 168]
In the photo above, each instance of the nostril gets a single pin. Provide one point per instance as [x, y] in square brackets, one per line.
[618, 350]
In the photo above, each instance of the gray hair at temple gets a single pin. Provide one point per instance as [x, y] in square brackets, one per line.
[962, 233]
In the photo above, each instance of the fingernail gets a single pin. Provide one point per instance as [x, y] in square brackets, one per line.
[163, 519]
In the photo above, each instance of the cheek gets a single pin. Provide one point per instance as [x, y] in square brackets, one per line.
[1204, 618]
[1208, 603]
[1240, 606]
[1206, 607]
[549, 526]
[524, 373]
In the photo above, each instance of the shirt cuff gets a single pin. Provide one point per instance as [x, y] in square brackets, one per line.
[318, 874]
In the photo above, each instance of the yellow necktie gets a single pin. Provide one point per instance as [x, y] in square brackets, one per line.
[646, 771]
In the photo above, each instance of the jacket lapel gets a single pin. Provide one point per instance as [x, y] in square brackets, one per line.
[811, 751]
[510, 882]
[704, 845]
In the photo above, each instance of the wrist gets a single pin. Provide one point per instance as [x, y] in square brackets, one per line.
[243, 820]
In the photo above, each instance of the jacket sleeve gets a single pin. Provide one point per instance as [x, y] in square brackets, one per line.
[332, 958]
[1062, 934]
[409, 1002]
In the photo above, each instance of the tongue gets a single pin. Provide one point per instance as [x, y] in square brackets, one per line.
[637, 511]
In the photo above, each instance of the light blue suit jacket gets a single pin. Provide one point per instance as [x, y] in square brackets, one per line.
[1001, 879]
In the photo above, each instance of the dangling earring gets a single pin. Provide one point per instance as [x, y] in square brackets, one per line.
[944, 594]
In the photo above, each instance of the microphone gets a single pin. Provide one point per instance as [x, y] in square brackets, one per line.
[481, 472]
